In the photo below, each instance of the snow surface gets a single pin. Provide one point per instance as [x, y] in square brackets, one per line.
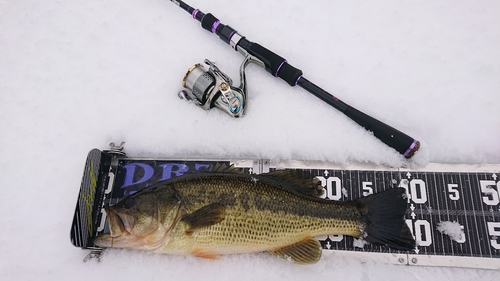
[451, 228]
[359, 243]
[75, 75]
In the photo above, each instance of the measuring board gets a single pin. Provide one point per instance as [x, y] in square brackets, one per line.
[453, 210]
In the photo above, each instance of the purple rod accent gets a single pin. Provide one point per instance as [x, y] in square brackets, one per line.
[412, 146]
[297, 81]
[231, 36]
[279, 67]
[214, 26]
[194, 13]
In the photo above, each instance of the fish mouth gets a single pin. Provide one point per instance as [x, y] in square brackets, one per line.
[123, 220]
[120, 225]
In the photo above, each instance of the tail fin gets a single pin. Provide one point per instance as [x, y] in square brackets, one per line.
[383, 215]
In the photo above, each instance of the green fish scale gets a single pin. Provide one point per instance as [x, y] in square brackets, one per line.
[258, 216]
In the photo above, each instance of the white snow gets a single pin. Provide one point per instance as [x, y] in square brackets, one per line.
[345, 192]
[359, 243]
[75, 75]
[451, 228]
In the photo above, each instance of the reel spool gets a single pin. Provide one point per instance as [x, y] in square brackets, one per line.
[213, 88]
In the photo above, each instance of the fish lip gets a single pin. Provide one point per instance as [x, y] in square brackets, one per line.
[120, 225]
[127, 221]
[122, 221]
[113, 221]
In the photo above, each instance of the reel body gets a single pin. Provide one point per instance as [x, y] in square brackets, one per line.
[213, 88]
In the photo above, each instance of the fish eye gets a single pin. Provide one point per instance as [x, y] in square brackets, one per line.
[129, 203]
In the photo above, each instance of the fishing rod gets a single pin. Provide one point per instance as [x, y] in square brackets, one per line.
[214, 88]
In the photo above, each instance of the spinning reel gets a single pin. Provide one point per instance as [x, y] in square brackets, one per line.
[213, 88]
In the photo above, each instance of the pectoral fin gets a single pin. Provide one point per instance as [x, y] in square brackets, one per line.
[204, 217]
[306, 251]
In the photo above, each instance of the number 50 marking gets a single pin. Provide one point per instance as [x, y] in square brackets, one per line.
[494, 230]
[492, 197]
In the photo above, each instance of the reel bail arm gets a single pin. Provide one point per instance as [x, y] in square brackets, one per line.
[213, 88]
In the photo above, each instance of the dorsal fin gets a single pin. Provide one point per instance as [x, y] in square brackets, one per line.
[223, 168]
[296, 181]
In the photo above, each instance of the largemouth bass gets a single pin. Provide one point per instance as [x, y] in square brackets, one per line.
[223, 211]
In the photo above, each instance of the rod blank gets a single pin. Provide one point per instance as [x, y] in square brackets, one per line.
[279, 67]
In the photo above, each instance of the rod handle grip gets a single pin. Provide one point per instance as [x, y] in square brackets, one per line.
[274, 64]
[394, 138]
